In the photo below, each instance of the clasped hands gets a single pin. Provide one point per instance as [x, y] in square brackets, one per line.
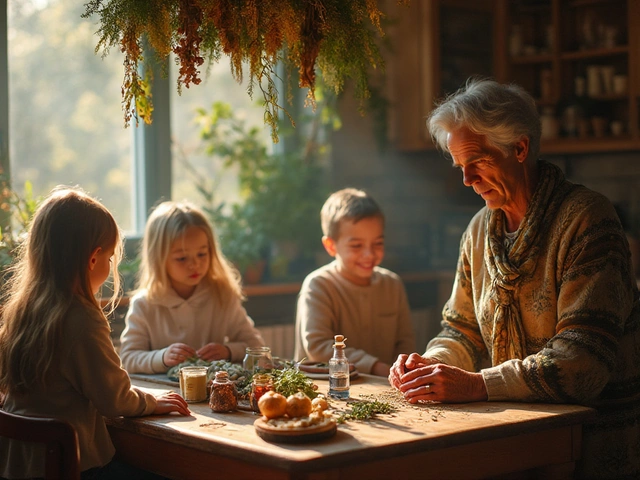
[177, 353]
[424, 378]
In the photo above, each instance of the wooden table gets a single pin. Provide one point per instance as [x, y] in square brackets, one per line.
[477, 440]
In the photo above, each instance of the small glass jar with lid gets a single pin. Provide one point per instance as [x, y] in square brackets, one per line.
[257, 360]
[224, 397]
[260, 384]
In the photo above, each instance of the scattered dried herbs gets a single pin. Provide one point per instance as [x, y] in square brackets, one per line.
[365, 410]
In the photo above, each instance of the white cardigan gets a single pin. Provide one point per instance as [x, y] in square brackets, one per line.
[152, 326]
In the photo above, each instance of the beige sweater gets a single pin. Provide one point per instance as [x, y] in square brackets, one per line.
[151, 326]
[375, 319]
[85, 384]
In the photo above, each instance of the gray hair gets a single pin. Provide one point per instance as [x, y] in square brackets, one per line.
[502, 113]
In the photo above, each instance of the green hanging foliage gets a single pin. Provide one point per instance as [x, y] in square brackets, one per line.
[337, 36]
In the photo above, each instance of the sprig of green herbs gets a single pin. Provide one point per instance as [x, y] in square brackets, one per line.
[366, 410]
[291, 380]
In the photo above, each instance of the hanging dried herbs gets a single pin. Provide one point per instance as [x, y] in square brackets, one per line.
[336, 36]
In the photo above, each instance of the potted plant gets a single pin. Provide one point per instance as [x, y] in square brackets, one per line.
[277, 219]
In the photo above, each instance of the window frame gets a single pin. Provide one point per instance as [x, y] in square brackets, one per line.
[150, 148]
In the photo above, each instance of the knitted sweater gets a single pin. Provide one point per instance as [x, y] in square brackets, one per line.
[577, 302]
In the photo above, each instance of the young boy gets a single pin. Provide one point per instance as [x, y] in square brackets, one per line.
[352, 295]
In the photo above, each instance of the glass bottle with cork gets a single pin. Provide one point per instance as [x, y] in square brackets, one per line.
[339, 370]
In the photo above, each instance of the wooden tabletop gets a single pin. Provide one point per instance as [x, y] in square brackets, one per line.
[413, 430]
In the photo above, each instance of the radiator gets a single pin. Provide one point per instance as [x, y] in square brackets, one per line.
[280, 338]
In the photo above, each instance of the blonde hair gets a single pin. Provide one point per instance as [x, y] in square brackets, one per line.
[51, 271]
[347, 204]
[168, 222]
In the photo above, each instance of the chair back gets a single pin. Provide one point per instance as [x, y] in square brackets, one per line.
[62, 457]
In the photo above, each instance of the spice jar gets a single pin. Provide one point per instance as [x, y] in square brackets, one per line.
[257, 359]
[193, 383]
[223, 394]
[260, 384]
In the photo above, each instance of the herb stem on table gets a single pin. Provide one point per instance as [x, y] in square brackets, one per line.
[365, 410]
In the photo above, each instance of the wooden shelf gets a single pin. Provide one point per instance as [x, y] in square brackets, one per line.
[564, 22]
[589, 145]
[587, 3]
[431, 32]
[532, 59]
[595, 53]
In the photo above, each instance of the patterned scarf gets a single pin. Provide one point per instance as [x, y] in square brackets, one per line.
[509, 266]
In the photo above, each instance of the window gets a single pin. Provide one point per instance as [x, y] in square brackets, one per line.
[67, 127]
[66, 122]
[189, 155]
[65, 114]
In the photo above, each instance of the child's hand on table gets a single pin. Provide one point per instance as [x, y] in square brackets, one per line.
[177, 353]
[171, 402]
[214, 351]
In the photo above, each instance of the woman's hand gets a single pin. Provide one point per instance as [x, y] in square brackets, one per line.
[442, 383]
[171, 402]
[214, 351]
[405, 363]
[177, 353]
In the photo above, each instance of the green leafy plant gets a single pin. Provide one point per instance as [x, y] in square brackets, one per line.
[16, 212]
[290, 380]
[281, 192]
[337, 36]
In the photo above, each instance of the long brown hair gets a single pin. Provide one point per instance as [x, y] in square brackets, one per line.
[51, 271]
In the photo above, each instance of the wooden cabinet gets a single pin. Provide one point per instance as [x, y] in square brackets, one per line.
[579, 58]
[436, 46]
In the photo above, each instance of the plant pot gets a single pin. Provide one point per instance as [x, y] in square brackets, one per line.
[253, 274]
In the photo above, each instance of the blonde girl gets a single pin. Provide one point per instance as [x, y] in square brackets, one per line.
[56, 355]
[189, 301]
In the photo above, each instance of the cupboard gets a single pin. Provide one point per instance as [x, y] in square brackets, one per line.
[436, 46]
[580, 59]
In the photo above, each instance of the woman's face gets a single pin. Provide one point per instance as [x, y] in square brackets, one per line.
[188, 261]
[499, 179]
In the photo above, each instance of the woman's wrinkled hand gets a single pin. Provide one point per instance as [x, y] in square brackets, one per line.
[442, 383]
[405, 363]
[171, 402]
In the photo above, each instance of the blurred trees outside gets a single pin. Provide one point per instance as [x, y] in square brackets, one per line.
[65, 117]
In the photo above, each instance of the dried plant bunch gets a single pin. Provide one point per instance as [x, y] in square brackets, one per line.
[337, 36]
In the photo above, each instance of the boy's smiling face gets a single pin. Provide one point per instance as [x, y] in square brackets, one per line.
[358, 249]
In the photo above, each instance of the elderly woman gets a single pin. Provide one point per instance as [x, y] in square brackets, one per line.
[544, 306]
